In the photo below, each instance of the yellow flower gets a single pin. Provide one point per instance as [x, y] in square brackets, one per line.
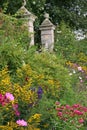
[50, 81]
[36, 116]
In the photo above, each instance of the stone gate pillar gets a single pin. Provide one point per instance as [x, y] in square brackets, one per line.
[47, 34]
[28, 19]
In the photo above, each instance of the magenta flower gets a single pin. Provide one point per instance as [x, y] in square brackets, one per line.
[21, 122]
[17, 113]
[81, 120]
[76, 106]
[78, 112]
[85, 109]
[68, 107]
[60, 114]
[9, 96]
[3, 100]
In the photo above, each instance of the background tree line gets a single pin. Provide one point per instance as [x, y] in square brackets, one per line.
[72, 12]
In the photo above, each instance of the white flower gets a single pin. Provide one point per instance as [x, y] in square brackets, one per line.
[74, 71]
[80, 77]
[70, 74]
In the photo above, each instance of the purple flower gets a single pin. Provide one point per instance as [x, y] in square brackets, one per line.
[40, 92]
[21, 122]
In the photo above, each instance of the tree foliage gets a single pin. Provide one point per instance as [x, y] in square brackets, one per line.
[73, 12]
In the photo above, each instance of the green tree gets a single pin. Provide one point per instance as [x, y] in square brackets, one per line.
[72, 11]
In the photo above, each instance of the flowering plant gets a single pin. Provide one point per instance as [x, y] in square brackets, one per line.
[11, 117]
[74, 116]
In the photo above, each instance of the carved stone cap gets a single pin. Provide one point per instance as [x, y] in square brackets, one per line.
[47, 23]
[24, 13]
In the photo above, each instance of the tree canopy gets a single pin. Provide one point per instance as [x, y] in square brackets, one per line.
[73, 12]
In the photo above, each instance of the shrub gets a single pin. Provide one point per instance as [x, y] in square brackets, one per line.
[14, 42]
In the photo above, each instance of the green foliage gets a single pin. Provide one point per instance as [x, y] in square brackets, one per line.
[81, 52]
[12, 29]
[12, 59]
[14, 42]
[38, 80]
[65, 42]
[72, 12]
[68, 47]
[82, 46]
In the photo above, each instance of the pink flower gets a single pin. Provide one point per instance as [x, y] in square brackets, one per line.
[58, 109]
[57, 103]
[81, 120]
[60, 114]
[79, 68]
[84, 109]
[68, 107]
[81, 81]
[76, 106]
[1, 96]
[15, 108]
[21, 122]
[86, 77]
[9, 96]
[78, 112]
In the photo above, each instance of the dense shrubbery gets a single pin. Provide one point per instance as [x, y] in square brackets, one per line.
[31, 82]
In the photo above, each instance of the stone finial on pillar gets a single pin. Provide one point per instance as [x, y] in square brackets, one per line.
[28, 19]
[24, 3]
[46, 15]
[47, 33]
